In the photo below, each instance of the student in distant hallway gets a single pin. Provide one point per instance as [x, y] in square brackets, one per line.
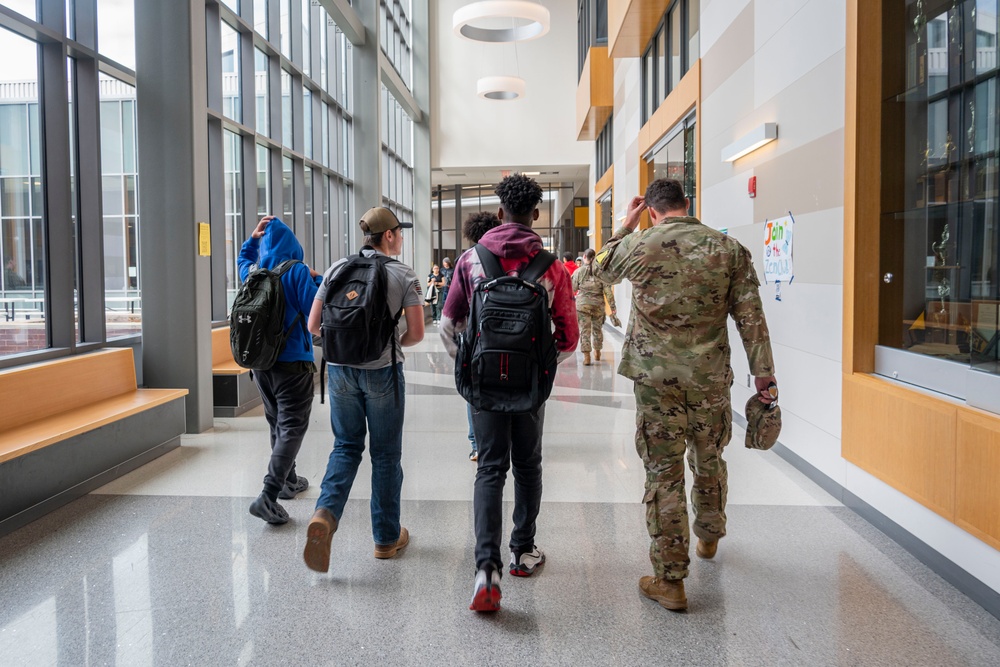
[590, 296]
[287, 388]
[569, 263]
[435, 283]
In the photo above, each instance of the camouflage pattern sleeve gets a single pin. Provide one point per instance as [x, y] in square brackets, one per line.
[746, 309]
[576, 280]
[612, 262]
[609, 294]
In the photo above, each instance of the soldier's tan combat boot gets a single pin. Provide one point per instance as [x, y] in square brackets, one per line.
[586, 358]
[707, 548]
[597, 355]
[669, 593]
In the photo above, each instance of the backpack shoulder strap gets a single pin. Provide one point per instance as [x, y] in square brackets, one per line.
[537, 267]
[491, 265]
[284, 266]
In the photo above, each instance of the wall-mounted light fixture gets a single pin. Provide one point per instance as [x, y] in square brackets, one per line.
[486, 12]
[749, 142]
[501, 88]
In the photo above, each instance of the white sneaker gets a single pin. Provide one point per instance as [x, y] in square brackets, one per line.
[486, 594]
[524, 565]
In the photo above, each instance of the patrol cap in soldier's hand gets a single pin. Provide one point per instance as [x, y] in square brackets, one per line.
[763, 423]
[380, 219]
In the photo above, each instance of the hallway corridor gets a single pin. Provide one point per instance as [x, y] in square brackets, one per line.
[165, 566]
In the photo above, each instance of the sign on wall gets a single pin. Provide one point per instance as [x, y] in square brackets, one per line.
[778, 249]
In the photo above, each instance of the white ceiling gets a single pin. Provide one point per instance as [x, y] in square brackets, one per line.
[479, 175]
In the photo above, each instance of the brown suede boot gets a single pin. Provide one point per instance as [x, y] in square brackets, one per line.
[586, 358]
[389, 550]
[597, 355]
[319, 533]
[707, 548]
[669, 593]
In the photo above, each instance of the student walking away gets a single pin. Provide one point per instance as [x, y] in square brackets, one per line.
[286, 387]
[506, 372]
[687, 279]
[448, 271]
[590, 296]
[474, 227]
[435, 285]
[368, 307]
[569, 263]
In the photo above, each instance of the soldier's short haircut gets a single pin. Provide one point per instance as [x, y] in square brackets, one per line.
[665, 194]
[478, 224]
[519, 195]
[590, 254]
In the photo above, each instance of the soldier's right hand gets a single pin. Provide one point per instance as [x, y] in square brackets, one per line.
[634, 212]
[767, 389]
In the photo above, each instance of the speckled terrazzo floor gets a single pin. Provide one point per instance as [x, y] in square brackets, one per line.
[165, 566]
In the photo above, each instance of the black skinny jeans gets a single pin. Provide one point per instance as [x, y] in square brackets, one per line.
[288, 399]
[503, 440]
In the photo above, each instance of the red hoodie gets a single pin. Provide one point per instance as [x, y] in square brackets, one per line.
[515, 244]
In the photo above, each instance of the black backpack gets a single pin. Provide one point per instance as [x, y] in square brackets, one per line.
[257, 332]
[507, 356]
[357, 323]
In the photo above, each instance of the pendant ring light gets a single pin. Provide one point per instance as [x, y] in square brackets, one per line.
[536, 15]
[501, 88]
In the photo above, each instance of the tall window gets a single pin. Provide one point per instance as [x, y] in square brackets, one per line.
[397, 163]
[233, 157]
[675, 158]
[605, 147]
[397, 34]
[591, 28]
[22, 239]
[941, 225]
[231, 105]
[671, 51]
[119, 182]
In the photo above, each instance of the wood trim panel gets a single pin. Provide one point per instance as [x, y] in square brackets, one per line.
[862, 185]
[977, 469]
[595, 94]
[631, 24]
[905, 438]
[605, 183]
[36, 435]
[39, 391]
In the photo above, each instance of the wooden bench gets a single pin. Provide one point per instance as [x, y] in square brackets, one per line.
[233, 391]
[71, 425]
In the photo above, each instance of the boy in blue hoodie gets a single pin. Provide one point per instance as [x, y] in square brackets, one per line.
[287, 388]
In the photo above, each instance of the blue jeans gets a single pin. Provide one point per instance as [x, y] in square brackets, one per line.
[472, 433]
[360, 399]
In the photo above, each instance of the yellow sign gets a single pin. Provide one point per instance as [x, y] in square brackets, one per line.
[204, 239]
[581, 216]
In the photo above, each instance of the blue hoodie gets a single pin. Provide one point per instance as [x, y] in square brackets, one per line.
[276, 245]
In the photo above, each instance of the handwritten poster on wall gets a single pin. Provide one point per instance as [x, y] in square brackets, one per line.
[778, 249]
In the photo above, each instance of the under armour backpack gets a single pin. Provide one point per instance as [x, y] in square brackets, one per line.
[507, 357]
[257, 331]
[357, 323]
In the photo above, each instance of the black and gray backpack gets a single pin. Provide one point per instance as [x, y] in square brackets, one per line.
[357, 323]
[507, 357]
[257, 333]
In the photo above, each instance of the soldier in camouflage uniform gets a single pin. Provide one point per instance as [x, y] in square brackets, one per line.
[687, 279]
[590, 296]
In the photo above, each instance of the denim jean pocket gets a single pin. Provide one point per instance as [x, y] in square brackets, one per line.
[380, 382]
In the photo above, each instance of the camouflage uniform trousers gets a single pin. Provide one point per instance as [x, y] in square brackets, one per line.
[669, 422]
[591, 319]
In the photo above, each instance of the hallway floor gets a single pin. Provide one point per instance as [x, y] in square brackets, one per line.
[165, 566]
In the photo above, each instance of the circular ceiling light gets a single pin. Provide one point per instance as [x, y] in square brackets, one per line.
[536, 16]
[501, 88]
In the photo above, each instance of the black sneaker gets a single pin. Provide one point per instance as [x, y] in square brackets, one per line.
[524, 565]
[486, 594]
[268, 510]
[289, 491]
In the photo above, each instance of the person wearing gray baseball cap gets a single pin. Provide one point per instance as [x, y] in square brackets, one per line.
[368, 308]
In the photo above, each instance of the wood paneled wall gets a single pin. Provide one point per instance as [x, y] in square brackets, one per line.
[595, 94]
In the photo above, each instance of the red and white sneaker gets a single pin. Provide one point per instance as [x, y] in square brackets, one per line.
[486, 595]
[524, 565]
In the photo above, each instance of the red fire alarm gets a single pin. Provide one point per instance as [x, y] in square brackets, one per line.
[752, 187]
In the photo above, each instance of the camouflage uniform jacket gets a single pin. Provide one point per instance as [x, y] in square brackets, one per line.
[590, 291]
[686, 280]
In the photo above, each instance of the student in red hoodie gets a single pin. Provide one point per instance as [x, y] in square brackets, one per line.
[505, 439]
